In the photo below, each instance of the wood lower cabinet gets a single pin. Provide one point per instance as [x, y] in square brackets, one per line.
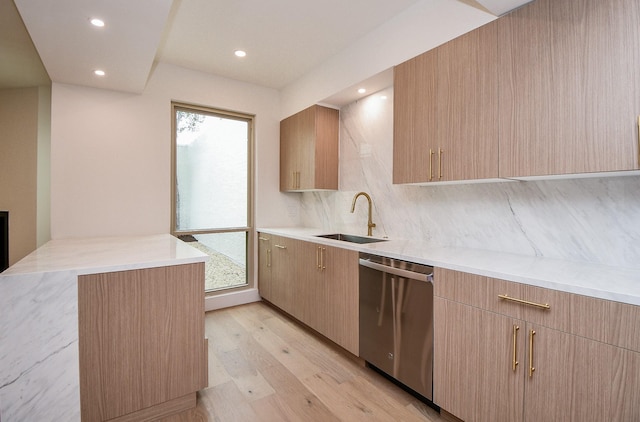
[569, 92]
[309, 150]
[141, 341]
[478, 337]
[473, 357]
[445, 111]
[316, 284]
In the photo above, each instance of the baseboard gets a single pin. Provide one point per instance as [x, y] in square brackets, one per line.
[227, 300]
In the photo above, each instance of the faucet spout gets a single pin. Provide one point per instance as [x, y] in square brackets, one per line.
[370, 223]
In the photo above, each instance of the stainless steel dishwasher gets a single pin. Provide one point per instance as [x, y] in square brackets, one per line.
[396, 320]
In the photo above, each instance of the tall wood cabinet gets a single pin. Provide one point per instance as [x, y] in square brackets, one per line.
[316, 284]
[500, 360]
[569, 91]
[445, 111]
[309, 150]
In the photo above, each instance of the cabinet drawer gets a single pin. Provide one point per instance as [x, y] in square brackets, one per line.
[607, 321]
[602, 320]
[479, 291]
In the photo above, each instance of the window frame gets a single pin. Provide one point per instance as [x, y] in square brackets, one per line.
[249, 229]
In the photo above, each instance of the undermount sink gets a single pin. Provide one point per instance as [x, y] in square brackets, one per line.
[350, 238]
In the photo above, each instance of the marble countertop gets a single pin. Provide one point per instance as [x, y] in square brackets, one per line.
[97, 255]
[612, 283]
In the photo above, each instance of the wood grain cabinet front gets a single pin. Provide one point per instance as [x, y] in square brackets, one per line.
[141, 341]
[309, 150]
[505, 352]
[569, 91]
[445, 111]
[318, 285]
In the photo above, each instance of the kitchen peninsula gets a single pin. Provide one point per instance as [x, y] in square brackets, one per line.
[88, 328]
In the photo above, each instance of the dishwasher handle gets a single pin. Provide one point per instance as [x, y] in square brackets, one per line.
[397, 271]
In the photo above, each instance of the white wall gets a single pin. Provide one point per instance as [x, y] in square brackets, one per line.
[111, 152]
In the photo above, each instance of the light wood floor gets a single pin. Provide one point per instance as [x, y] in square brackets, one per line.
[265, 367]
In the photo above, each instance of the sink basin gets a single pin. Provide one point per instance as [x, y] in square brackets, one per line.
[350, 238]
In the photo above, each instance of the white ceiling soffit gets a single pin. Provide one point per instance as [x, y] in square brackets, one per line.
[499, 7]
[71, 48]
[20, 65]
[284, 39]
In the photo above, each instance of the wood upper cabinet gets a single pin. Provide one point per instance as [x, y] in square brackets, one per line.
[445, 111]
[309, 150]
[577, 375]
[569, 91]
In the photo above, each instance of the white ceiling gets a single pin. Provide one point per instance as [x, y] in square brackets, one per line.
[284, 39]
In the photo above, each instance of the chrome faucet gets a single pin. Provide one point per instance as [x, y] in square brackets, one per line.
[370, 224]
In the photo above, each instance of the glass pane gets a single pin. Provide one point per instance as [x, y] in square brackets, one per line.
[227, 265]
[211, 171]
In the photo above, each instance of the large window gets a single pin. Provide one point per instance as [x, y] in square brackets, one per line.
[212, 191]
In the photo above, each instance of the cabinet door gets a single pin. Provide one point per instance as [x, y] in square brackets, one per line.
[474, 377]
[282, 277]
[309, 150]
[414, 119]
[569, 93]
[264, 266]
[573, 377]
[339, 292]
[467, 106]
[288, 155]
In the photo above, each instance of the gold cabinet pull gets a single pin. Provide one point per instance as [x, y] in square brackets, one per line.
[525, 302]
[531, 368]
[268, 258]
[515, 347]
[322, 254]
[318, 251]
[431, 164]
[263, 238]
[440, 152]
[280, 246]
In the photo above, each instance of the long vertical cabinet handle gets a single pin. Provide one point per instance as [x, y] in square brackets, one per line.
[515, 347]
[531, 368]
[440, 152]
[268, 258]
[318, 252]
[431, 164]
[322, 256]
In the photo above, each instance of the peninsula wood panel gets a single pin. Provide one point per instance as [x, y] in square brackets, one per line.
[284, 273]
[141, 339]
[569, 92]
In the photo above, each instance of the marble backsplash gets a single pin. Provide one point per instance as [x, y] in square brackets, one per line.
[586, 220]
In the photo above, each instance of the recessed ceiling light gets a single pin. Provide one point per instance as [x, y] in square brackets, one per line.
[240, 53]
[97, 22]
[99, 72]
[362, 91]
